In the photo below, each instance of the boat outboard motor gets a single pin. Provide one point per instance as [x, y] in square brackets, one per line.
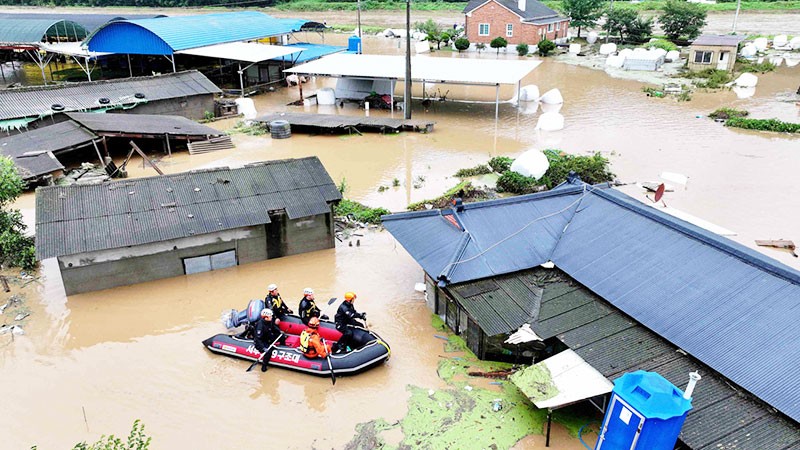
[232, 319]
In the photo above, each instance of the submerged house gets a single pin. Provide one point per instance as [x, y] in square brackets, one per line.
[624, 287]
[711, 51]
[518, 22]
[132, 231]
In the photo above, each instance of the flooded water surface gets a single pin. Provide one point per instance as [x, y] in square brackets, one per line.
[135, 352]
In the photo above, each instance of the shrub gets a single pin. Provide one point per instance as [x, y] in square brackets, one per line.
[662, 44]
[522, 49]
[713, 78]
[682, 20]
[16, 248]
[137, 440]
[516, 183]
[498, 43]
[727, 113]
[359, 212]
[763, 67]
[592, 169]
[546, 46]
[763, 125]
[501, 164]
[461, 44]
[480, 46]
[480, 169]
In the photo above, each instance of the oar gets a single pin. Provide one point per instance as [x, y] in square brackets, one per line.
[330, 302]
[330, 365]
[265, 353]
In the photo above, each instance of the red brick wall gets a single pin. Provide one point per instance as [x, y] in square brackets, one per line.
[497, 16]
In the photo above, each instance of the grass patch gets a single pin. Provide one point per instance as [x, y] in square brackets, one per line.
[480, 169]
[465, 190]
[775, 125]
[359, 212]
[709, 78]
[251, 130]
[501, 164]
[662, 44]
[754, 67]
[727, 113]
[365, 29]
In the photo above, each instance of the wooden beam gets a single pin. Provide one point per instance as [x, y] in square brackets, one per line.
[149, 161]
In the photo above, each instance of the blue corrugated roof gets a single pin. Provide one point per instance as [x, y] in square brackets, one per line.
[310, 52]
[731, 307]
[166, 35]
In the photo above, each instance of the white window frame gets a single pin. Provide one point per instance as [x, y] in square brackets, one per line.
[509, 30]
[558, 26]
[480, 27]
[549, 27]
[702, 54]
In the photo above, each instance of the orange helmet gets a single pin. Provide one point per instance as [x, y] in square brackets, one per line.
[349, 296]
[313, 322]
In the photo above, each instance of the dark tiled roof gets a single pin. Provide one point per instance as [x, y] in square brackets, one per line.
[721, 418]
[534, 10]
[724, 40]
[37, 101]
[142, 124]
[44, 141]
[77, 219]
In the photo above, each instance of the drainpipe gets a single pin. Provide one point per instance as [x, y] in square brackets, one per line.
[694, 377]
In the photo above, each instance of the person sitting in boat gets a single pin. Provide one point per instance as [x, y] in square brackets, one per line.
[347, 315]
[308, 307]
[310, 341]
[274, 301]
[266, 333]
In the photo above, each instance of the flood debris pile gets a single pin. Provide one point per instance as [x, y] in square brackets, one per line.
[87, 173]
[465, 190]
[352, 217]
[14, 312]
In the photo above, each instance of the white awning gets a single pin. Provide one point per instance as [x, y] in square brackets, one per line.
[431, 69]
[70, 49]
[242, 51]
[561, 380]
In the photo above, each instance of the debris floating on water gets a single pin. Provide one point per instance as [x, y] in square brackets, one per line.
[441, 337]
[21, 316]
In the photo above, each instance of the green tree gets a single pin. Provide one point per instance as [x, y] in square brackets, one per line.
[16, 249]
[582, 13]
[682, 20]
[461, 44]
[618, 20]
[522, 49]
[498, 43]
[546, 46]
[640, 30]
[428, 27]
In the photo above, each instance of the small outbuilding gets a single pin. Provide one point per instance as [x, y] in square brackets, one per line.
[131, 231]
[712, 51]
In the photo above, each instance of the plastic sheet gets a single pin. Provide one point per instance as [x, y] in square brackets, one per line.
[532, 163]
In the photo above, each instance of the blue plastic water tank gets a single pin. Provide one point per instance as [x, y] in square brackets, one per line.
[645, 412]
[354, 44]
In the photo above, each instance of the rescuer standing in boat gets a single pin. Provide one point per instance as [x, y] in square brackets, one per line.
[308, 307]
[347, 315]
[310, 341]
[274, 301]
[267, 332]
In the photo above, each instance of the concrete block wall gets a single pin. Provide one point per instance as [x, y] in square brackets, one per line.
[291, 237]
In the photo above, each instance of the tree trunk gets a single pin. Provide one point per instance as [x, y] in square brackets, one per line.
[579, 32]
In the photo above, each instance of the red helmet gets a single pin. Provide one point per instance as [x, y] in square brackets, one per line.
[314, 322]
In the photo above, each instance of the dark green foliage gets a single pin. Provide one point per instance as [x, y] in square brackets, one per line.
[583, 13]
[461, 44]
[500, 164]
[137, 440]
[617, 21]
[727, 113]
[592, 169]
[480, 169]
[498, 43]
[629, 25]
[16, 248]
[522, 49]
[639, 30]
[516, 183]
[714, 78]
[465, 190]
[546, 46]
[682, 20]
[360, 212]
[751, 66]
[763, 125]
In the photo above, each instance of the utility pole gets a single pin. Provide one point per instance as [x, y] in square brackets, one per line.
[358, 19]
[407, 90]
[736, 17]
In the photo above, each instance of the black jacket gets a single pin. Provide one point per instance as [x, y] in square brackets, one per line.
[307, 309]
[265, 334]
[277, 304]
[347, 315]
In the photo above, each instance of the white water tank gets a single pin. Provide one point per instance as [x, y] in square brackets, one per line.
[529, 93]
[795, 43]
[326, 96]
[761, 43]
[550, 121]
[746, 80]
[607, 49]
[615, 61]
[574, 48]
[591, 37]
[532, 163]
[780, 40]
[553, 97]
[673, 56]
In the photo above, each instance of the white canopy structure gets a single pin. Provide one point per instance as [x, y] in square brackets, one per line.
[82, 56]
[250, 52]
[466, 71]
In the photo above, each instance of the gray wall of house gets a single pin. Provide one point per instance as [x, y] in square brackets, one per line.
[290, 237]
[193, 107]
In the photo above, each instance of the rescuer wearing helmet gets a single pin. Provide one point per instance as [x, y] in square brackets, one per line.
[267, 332]
[346, 316]
[308, 307]
[274, 301]
[310, 341]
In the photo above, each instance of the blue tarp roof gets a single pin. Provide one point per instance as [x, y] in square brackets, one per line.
[729, 306]
[311, 52]
[166, 35]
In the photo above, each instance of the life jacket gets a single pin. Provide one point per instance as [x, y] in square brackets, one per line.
[277, 301]
[305, 340]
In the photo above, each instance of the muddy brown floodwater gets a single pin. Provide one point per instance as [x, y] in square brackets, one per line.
[135, 353]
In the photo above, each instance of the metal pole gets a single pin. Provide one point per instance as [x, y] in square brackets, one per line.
[736, 16]
[130, 68]
[241, 79]
[358, 19]
[549, 421]
[407, 90]
[519, 87]
[496, 102]
[173, 63]
[88, 69]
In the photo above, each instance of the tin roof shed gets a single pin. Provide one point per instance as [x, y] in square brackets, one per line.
[30, 31]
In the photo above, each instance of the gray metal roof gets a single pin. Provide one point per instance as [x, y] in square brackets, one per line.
[731, 307]
[77, 219]
[40, 144]
[501, 304]
[142, 124]
[724, 40]
[534, 10]
[37, 101]
[32, 30]
[89, 21]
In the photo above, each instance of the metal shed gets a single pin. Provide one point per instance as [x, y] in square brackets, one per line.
[16, 33]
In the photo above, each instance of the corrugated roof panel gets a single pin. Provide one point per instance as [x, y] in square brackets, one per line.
[266, 180]
[191, 220]
[576, 317]
[33, 30]
[182, 189]
[60, 137]
[71, 204]
[770, 432]
[620, 351]
[93, 203]
[330, 192]
[146, 221]
[154, 124]
[485, 316]
[54, 244]
[116, 195]
[48, 209]
[162, 192]
[224, 186]
[213, 217]
[247, 212]
[282, 176]
[202, 188]
[298, 174]
[169, 224]
[271, 202]
[729, 416]
[75, 235]
[242, 181]
[315, 203]
[140, 199]
[100, 237]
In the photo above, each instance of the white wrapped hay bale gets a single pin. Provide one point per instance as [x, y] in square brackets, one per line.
[615, 61]
[326, 96]
[550, 121]
[546, 108]
[795, 43]
[673, 56]
[744, 92]
[529, 93]
[748, 51]
[780, 40]
[246, 108]
[761, 44]
[607, 49]
[552, 97]
[591, 37]
[529, 108]
[746, 80]
[625, 52]
[776, 60]
[532, 163]
[792, 61]
[574, 48]
[658, 52]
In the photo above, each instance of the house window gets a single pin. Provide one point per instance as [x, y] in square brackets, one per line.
[483, 29]
[703, 57]
[509, 30]
[207, 263]
[558, 26]
[549, 27]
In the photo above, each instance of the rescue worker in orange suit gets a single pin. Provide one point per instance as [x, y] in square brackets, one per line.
[308, 307]
[274, 301]
[310, 341]
[347, 315]
[266, 333]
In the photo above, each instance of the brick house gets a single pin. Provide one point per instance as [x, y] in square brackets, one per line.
[519, 22]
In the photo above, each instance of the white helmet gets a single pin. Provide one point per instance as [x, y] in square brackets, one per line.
[308, 291]
[272, 287]
[266, 312]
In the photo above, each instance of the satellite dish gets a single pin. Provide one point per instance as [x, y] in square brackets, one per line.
[659, 193]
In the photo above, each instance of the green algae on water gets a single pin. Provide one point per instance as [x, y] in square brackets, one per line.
[535, 382]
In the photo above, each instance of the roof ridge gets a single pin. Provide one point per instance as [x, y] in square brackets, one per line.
[52, 87]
